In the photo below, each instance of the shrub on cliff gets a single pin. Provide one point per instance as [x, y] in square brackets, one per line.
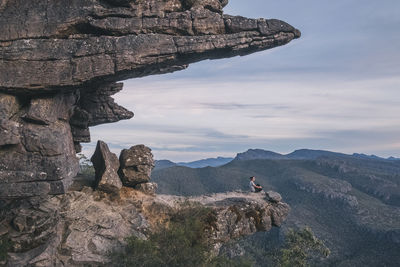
[181, 243]
[301, 247]
[298, 248]
[85, 166]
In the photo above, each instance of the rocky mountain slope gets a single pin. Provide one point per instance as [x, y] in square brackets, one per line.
[302, 154]
[351, 203]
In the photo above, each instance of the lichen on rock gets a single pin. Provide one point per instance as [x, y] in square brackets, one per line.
[82, 227]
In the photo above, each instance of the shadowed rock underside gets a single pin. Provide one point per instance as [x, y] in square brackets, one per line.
[60, 64]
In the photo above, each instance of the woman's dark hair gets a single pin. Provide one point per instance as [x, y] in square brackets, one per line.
[251, 178]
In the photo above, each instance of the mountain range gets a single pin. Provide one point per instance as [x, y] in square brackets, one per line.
[263, 154]
[302, 154]
[210, 162]
[352, 202]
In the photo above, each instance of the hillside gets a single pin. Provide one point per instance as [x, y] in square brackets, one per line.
[350, 202]
[210, 162]
[304, 154]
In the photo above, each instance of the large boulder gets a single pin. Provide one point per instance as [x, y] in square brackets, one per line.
[273, 196]
[136, 165]
[106, 165]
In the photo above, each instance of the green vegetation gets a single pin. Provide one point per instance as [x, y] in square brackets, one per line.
[85, 166]
[181, 243]
[355, 235]
[301, 247]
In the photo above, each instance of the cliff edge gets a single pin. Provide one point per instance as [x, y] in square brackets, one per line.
[82, 227]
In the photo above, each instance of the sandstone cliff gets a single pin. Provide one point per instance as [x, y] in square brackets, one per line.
[82, 227]
[61, 62]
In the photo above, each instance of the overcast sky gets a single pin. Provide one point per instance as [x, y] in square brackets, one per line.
[337, 88]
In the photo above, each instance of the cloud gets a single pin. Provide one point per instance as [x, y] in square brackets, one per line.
[336, 88]
[237, 106]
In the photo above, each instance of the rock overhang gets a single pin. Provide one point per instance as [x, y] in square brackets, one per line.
[94, 42]
[60, 64]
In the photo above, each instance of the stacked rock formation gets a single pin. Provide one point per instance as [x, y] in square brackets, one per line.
[37, 155]
[60, 64]
[132, 170]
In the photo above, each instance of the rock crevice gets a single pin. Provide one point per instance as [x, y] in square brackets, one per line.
[82, 227]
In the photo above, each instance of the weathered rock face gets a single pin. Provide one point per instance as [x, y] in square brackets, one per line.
[333, 189]
[273, 196]
[80, 228]
[147, 188]
[136, 165]
[106, 165]
[237, 214]
[60, 64]
[48, 45]
[37, 155]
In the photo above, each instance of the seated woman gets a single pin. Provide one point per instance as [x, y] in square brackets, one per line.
[253, 186]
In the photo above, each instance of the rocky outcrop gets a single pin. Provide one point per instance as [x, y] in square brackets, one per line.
[60, 64]
[147, 188]
[330, 189]
[136, 165]
[370, 182]
[49, 46]
[273, 196]
[106, 165]
[37, 155]
[82, 227]
[240, 214]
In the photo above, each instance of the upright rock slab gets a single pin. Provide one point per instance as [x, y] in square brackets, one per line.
[136, 165]
[106, 165]
[60, 64]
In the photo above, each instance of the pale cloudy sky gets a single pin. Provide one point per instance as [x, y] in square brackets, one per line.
[337, 88]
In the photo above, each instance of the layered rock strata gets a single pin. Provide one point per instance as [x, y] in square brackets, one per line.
[81, 228]
[60, 63]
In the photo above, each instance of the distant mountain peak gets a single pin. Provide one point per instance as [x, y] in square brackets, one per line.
[365, 156]
[209, 162]
[303, 154]
[258, 154]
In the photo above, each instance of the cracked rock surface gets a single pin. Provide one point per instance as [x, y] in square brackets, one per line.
[81, 227]
[60, 64]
